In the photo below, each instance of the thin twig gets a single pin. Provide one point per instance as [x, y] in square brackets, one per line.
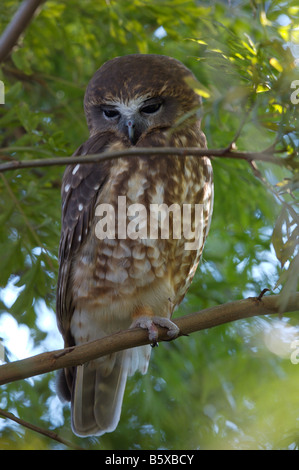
[275, 193]
[99, 157]
[232, 145]
[27, 222]
[33, 427]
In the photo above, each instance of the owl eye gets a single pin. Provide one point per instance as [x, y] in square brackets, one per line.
[151, 108]
[110, 113]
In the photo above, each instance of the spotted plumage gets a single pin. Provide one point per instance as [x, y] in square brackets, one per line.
[106, 285]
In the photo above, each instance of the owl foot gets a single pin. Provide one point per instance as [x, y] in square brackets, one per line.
[149, 323]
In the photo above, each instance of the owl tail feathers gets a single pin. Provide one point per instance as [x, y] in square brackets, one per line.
[98, 391]
[97, 398]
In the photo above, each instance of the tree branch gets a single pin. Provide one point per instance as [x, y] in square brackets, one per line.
[208, 318]
[18, 24]
[194, 151]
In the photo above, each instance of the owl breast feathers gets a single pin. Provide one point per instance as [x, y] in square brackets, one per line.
[132, 274]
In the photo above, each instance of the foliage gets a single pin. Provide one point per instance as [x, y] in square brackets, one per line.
[229, 387]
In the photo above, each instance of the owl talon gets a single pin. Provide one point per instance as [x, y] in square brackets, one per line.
[173, 329]
[149, 323]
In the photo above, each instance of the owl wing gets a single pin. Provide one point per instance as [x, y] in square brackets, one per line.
[81, 185]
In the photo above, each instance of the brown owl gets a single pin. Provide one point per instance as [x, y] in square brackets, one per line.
[123, 256]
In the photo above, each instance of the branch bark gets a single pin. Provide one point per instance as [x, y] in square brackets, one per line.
[208, 318]
[194, 151]
[17, 26]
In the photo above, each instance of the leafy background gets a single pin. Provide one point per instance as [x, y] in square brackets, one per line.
[231, 387]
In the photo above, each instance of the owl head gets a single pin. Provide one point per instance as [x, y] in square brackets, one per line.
[134, 94]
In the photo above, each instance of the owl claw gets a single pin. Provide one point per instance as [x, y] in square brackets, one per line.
[149, 323]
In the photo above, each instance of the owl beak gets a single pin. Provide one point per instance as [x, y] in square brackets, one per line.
[131, 127]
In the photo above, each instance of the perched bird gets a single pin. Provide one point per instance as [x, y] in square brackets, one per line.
[109, 283]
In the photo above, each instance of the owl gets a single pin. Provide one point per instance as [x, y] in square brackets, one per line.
[119, 272]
